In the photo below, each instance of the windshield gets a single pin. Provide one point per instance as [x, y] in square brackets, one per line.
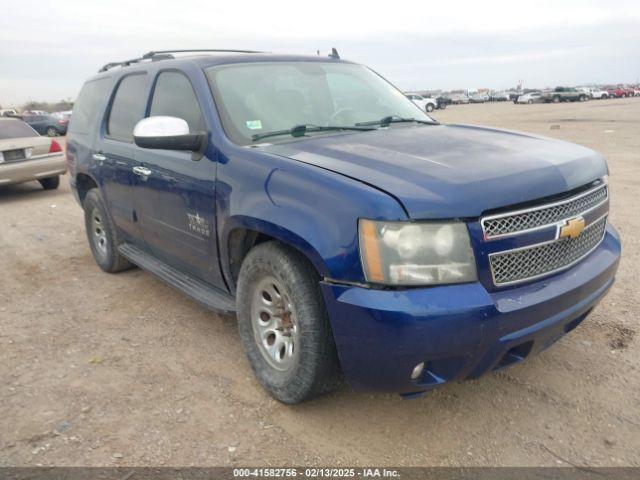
[259, 98]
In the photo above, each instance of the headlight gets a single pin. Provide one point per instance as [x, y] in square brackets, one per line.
[401, 253]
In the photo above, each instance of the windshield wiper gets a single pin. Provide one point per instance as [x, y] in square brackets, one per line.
[386, 121]
[300, 130]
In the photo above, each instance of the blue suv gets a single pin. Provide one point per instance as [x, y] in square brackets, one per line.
[354, 236]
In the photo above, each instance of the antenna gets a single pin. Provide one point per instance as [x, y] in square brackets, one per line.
[334, 54]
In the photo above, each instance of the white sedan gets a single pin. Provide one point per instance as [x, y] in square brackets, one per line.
[533, 97]
[426, 104]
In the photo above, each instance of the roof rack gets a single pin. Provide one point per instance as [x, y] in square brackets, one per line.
[157, 55]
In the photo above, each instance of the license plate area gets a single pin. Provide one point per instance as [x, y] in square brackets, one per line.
[13, 155]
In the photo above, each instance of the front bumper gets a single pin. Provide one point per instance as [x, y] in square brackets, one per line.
[460, 331]
[34, 169]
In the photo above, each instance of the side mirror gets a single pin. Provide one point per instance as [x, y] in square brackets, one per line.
[169, 133]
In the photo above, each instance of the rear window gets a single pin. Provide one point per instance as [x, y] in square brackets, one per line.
[15, 129]
[85, 109]
[128, 107]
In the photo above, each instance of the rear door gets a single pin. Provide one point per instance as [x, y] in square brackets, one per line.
[114, 154]
[175, 203]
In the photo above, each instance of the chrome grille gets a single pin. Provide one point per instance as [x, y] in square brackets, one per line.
[527, 263]
[518, 221]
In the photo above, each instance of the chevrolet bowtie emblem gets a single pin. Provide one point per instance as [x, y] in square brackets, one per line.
[572, 228]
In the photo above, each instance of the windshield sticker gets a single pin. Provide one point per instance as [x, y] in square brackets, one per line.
[254, 124]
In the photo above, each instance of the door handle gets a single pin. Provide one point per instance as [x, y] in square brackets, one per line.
[142, 172]
[98, 157]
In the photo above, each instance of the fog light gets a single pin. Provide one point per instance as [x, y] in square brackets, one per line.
[417, 371]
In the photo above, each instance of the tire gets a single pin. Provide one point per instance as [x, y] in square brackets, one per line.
[604, 97]
[429, 107]
[530, 102]
[50, 183]
[443, 106]
[304, 363]
[102, 235]
[624, 95]
[582, 98]
[556, 99]
[52, 132]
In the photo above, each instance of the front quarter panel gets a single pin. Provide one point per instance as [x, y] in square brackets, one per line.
[314, 210]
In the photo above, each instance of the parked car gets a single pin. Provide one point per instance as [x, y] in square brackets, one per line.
[35, 112]
[564, 94]
[64, 115]
[427, 104]
[26, 156]
[597, 93]
[531, 97]
[500, 96]
[621, 92]
[479, 98]
[8, 112]
[459, 98]
[442, 102]
[352, 238]
[47, 124]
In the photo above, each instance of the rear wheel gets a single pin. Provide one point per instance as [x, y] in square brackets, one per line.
[102, 235]
[50, 183]
[52, 132]
[429, 107]
[556, 99]
[284, 326]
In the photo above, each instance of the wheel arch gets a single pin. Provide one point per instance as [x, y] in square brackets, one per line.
[83, 183]
[242, 233]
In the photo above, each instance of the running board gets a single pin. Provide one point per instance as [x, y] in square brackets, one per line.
[206, 295]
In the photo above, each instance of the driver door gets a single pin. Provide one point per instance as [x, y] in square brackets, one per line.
[175, 195]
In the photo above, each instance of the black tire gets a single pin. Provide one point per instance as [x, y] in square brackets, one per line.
[52, 132]
[556, 99]
[105, 242]
[315, 370]
[530, 102]
[443, 106]
[604, 97]
[429, 107]
[50, 183]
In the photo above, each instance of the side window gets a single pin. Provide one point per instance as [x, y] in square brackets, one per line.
[128, 107]
[173, 96]
[85, 109]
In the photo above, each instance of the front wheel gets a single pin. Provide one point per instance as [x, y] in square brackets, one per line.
[284, 326]
[52, 132]
[429, 107]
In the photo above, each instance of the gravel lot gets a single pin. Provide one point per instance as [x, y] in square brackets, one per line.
[101, 370]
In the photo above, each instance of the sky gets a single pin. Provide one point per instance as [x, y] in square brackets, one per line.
[48, 49]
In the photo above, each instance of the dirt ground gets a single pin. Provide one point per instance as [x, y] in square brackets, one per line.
[102, 370]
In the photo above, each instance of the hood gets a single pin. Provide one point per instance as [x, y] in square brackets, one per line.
[452, 171]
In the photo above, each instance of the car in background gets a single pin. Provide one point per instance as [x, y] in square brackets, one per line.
[26, 156]
[565, 94]
[8, 112]
[64, 115]
[459, 98]
[479, 98]
[442, 102]
[598, 93]
[35, 112]
[425, 103]
[499, 97]
[47, 124]
[531, 97]
[621, 92]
